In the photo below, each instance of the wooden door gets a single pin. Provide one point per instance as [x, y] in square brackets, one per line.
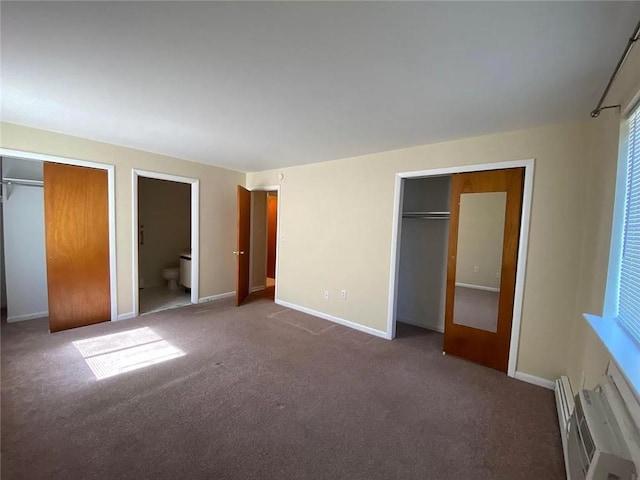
[488, 346]
[76, 211]
[242, 252]
[272, 234]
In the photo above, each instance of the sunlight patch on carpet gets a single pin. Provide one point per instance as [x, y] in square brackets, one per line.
[111, 355]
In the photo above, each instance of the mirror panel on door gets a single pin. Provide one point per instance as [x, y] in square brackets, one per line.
[479, 262]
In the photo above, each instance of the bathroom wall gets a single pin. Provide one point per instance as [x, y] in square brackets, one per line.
[24, 243]
[164, 209]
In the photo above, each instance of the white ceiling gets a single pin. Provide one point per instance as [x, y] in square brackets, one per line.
[253, 86]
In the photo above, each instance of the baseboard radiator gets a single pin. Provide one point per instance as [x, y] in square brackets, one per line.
[565, 404]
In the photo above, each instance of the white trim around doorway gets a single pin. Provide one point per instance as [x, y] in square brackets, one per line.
[195, 231]
[396, 233]
[269, 188]
[111, 187]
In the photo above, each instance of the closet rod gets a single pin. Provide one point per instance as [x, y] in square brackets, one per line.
[635, 36]
[26, 183]
[10, 182]
[427, 215]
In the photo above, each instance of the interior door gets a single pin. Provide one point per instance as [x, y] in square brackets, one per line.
[242, 252]
[76, 211]
[272, 234]
[484, 233]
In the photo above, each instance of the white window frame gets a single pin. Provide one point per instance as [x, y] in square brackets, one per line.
[622, 347]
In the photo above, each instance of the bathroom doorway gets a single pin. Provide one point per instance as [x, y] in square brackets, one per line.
[264, 242]
[165, 252]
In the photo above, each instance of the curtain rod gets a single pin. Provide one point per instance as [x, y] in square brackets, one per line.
[634, 38]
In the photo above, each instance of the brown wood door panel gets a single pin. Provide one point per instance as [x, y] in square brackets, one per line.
[272, 234]
[481, 346]
[242, 253]
[76, 209]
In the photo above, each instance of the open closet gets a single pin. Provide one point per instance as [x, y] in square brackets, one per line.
[423, 252]
[457, 260]
[56, 242]
[23, 240]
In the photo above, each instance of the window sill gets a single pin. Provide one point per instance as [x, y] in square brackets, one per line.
[625, 352]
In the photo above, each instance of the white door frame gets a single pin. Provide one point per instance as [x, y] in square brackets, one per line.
[396, 233]
[111, 187]
[269, 188]
[195, 231]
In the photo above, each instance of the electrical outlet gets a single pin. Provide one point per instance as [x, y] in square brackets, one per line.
[343, 294]
[476, 268]
[326, 294]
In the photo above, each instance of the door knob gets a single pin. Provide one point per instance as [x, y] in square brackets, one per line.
[238, 253]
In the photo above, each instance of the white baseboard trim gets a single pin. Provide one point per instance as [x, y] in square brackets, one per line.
[331, 318]
[216, 297]
[126, 316]
[259, 288]
[477, 287]
[541, 382]
[27, 316]
[415, 324]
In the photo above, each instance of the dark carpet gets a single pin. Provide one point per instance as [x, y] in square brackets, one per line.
[263, 392]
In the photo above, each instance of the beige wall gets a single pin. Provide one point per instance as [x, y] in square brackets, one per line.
[259, 239]
[336, 218]
[217, 202]
[164, 209]
[587, 357]
[480, 238]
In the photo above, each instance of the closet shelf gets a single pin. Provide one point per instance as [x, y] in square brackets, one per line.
[427, 215]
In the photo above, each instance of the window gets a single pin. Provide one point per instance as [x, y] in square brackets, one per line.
[628, 295]
[619, 327]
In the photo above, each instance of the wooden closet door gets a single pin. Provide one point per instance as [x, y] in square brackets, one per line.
[76, 210]
[242, 253]
[470, 340]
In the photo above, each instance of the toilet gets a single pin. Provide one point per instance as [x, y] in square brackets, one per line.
[171, 275]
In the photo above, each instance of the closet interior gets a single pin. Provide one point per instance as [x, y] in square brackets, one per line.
[423, 252]
[23, 266]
